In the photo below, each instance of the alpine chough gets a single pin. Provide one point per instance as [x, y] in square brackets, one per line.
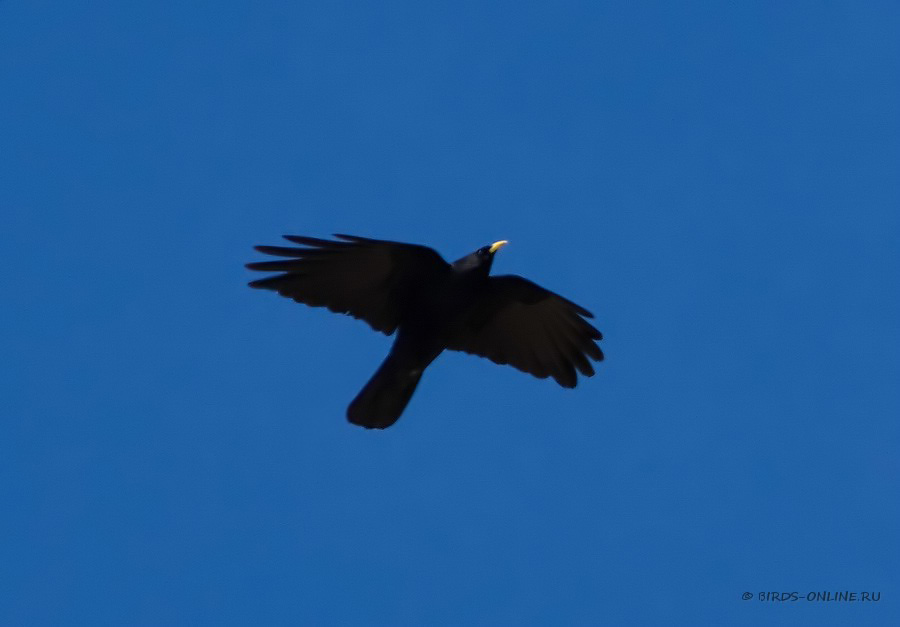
[432, 305]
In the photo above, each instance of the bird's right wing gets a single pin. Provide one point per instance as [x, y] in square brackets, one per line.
[365, 278]
[520, 323]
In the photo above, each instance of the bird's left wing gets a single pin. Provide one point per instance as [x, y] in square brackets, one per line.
[519, 323]
[366, 278]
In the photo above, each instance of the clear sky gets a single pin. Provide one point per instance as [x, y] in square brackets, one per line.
[718, 182]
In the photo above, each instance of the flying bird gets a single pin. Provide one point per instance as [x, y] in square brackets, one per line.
[432, 305]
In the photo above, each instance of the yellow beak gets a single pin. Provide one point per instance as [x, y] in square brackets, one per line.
[497, 245]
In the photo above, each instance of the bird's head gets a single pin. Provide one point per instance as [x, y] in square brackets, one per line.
[480, 260]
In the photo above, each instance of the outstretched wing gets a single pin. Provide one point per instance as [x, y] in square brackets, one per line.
[519, 323]
[366, 278]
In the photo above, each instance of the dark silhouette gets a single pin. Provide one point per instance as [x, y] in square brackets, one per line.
[433, 306]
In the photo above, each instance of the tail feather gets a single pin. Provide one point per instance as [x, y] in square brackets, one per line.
[380, 403]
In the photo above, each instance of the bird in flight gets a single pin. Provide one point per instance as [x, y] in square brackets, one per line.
[432, 305]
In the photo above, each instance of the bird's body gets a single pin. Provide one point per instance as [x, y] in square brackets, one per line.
[433, 306]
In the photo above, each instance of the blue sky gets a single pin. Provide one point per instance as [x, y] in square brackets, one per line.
[718, 182]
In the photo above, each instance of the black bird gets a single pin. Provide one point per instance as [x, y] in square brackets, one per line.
[433, 305]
